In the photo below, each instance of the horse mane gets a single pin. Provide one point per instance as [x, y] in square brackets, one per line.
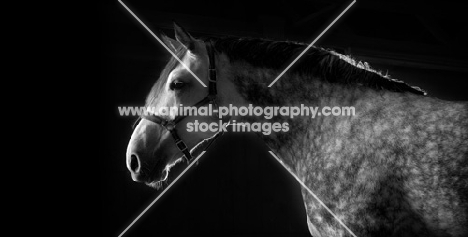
[322, 63]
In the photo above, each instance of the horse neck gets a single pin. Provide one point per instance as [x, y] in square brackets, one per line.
[293, 90]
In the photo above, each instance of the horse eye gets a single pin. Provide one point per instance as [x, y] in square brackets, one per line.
[176, 85]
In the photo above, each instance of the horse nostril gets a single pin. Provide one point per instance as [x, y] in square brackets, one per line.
[134, 163]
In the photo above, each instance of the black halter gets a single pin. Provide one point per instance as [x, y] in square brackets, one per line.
[170, 125]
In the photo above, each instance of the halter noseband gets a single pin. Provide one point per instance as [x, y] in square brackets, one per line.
[170, 125]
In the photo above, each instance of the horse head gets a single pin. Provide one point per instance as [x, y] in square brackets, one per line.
[152, 151]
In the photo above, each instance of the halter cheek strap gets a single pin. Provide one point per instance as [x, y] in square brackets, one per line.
[211, 70]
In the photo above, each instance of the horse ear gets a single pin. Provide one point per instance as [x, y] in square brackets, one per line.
[184, 37]
[169, 42]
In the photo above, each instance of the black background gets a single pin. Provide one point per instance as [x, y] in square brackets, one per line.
[238, 189]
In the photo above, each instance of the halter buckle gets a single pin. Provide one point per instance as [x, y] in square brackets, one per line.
[181, 145]
[212, 77]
